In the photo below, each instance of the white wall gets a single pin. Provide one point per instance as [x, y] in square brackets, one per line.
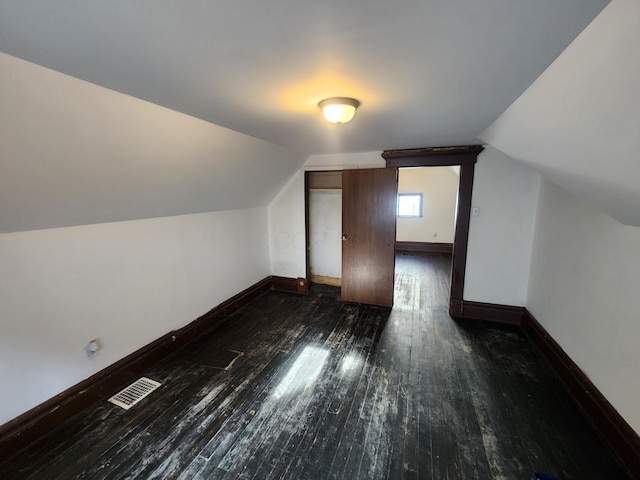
[439, 188]
[500, 237]
[577, 123]
[286, 211]
[286, 230]
[583, 288]
[127, 283]
[325, 232]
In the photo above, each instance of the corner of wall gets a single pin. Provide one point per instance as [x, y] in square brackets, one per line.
[583, 291]
[286, 214]
[500, 237]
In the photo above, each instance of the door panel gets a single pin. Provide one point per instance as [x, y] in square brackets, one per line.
[369, 234]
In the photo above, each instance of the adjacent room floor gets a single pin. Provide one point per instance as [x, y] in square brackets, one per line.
[324, 389]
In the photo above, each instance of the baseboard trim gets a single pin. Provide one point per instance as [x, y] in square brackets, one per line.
[489, 312]
[291, 285]
[33, 424]
[611, 427]
[424, 247]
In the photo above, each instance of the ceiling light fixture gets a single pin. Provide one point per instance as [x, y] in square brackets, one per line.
[339, 109]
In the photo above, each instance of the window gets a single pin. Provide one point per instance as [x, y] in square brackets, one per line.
[410, 205]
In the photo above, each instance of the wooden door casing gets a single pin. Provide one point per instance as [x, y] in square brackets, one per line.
[466, 156]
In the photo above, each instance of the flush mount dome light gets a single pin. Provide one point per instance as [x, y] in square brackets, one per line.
[339, 109]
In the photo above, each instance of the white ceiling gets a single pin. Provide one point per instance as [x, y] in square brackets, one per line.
[428, 72]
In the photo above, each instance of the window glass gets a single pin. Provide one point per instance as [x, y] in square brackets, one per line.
[410, 205]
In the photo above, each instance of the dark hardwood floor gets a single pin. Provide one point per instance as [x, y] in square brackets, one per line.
[332, 390]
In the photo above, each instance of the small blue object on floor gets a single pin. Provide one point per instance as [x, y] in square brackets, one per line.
[543, 476]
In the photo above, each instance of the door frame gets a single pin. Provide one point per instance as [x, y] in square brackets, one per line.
[466, 157]
[307, 217]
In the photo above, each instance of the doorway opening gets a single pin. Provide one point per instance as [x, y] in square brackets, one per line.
[324, 227]
[464, 157]
[427, 201]
[425, 230]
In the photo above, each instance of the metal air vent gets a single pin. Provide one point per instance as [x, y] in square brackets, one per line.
[135, 392]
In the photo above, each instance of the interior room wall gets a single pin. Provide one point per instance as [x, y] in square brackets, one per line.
[287, 215]
[500, 237]
[126, 283]
[583, 288]
[577, 123]
[82, 167]
[439, 188]
[286, 229]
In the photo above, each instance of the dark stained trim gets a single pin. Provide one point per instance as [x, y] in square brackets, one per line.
[33, 424]
[306, 225]
[466, 157]
[461, 237]
[433, 156]
[491, 312]
[614, 430]
[291, 285]
[424, 247]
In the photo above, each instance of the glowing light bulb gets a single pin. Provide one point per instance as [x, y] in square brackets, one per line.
[339, 109]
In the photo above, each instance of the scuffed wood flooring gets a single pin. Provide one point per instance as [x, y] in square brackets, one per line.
[338, 391]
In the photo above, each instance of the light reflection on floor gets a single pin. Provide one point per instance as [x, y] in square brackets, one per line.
[351, 365]
[303, 373]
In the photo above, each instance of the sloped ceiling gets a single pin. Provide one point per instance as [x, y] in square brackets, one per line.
[579, 123]
[148, 135]
[428, 72]
[75, 153]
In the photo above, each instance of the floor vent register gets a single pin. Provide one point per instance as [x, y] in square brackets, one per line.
[135, 392]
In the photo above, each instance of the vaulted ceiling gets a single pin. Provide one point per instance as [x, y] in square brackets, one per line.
[428, 73]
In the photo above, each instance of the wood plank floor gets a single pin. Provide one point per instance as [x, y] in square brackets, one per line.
[338, 391]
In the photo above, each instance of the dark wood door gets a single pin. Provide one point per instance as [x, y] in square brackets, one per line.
[368, 235]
